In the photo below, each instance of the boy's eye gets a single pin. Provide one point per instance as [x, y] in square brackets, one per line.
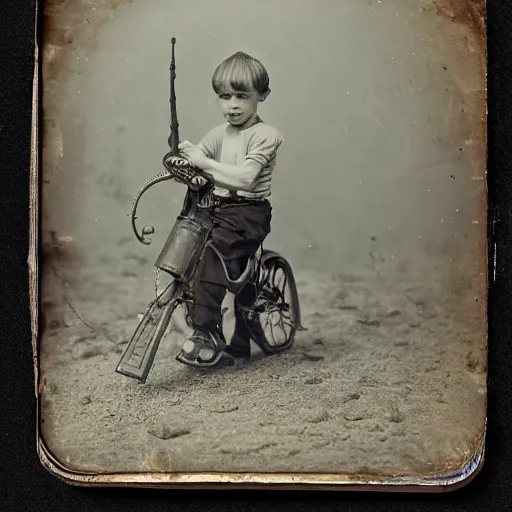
[240, 96]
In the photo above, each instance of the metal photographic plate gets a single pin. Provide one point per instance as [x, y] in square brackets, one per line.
[327, 157]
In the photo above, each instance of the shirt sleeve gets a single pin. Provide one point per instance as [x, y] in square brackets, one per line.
[211, 142]
[263, 146]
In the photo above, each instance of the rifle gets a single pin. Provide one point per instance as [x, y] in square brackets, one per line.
[177, 167]
[180, 253]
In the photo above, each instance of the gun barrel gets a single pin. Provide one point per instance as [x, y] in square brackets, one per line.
[174, 135]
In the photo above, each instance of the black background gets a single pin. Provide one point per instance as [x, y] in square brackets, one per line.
[26, 486]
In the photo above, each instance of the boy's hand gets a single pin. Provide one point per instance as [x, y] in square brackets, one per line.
[185, 145]
[196, 157]
[198, 182]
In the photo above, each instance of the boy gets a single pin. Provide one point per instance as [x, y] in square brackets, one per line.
[239, 156]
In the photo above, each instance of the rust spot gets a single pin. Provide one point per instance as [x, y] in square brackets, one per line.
[471, 13]
[468, 21]
[60, 249]
[68, 22]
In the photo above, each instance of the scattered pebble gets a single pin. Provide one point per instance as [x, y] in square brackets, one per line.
[313, 356]
[85, 400]
[318, 418]
[165, 432]
[368, 381]
[223, 408]
[314, 380]
[354, 416]
[249, 448]
[344, 437]
[396, 416]
[377, 428]
[383, 438]
[351, 396]
[321, 444]
[369, 323]
[318, 341]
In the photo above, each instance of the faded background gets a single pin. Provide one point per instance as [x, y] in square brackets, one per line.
[379, 205]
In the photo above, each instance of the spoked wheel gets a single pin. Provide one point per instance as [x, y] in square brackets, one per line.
[139, 355]
[276, 310]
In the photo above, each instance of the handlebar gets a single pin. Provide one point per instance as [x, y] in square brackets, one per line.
[183, 171]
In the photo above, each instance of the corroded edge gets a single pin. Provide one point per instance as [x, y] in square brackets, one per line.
[33, 252]
[279, 481]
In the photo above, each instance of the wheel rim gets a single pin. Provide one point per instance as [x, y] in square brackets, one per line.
[276, 306]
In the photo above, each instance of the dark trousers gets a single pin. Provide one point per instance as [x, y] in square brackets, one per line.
[238, 231]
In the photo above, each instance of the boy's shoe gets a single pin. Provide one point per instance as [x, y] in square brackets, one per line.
[199, 346]
[200, 351]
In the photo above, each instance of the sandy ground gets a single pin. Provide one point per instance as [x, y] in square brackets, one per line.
[384, 380]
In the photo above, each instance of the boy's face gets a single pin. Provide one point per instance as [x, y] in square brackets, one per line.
[239, 107]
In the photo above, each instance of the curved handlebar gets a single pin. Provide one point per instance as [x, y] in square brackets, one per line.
[147, 230]
[177, 168]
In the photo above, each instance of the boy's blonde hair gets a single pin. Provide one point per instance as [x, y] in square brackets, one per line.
[241, 72]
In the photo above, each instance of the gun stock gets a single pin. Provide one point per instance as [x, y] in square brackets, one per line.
[139, 356]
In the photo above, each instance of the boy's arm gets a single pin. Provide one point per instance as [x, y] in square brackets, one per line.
[262, 150]
[232, 177]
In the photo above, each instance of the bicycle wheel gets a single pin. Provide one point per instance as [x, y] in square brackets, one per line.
[276, 308]
[138, 358]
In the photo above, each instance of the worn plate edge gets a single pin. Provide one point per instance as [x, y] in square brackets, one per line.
[275, 481]
[33, 252]
[202, 480]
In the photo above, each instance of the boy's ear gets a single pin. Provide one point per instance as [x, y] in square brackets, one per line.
[264, 96]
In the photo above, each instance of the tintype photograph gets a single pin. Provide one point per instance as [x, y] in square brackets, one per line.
[262, 242]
